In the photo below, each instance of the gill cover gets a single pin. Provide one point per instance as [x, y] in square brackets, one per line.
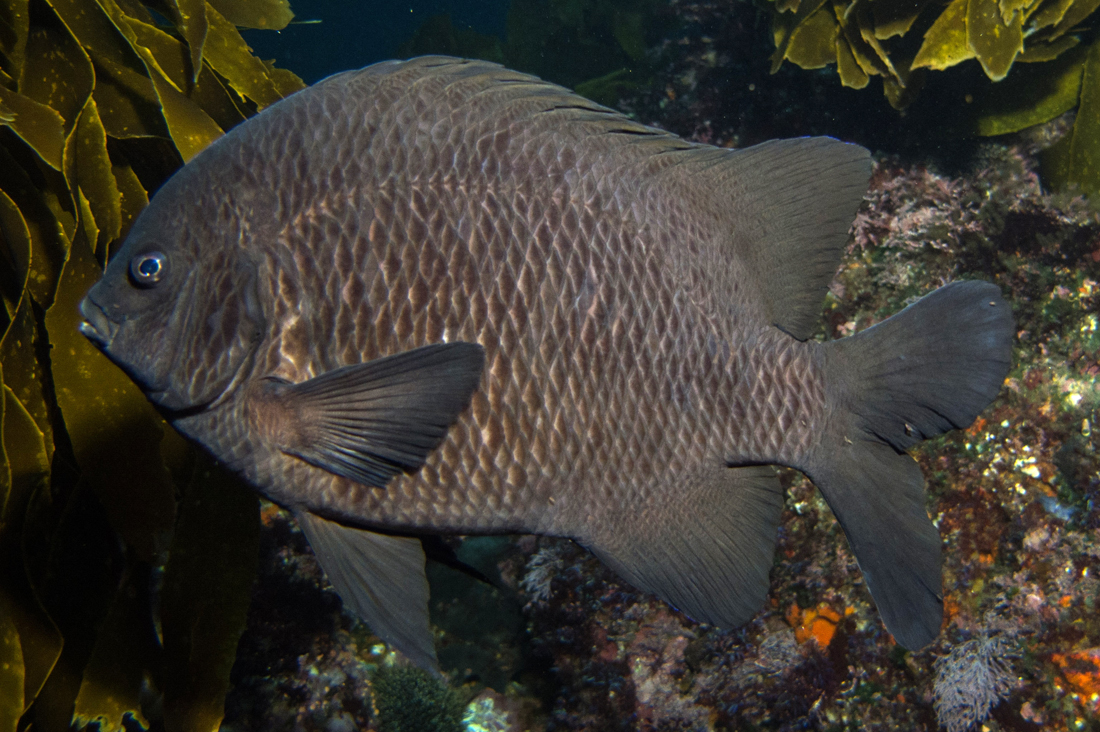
[178, 307]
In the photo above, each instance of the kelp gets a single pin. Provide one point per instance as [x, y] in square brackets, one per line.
[1025, 45]
[100, 101]
[1076, 157]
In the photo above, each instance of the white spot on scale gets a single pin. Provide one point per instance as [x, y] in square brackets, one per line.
[345, 292]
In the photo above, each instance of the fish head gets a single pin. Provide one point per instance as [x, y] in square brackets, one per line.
[177, 307]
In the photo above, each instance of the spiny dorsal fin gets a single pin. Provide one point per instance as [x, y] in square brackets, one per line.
[490, 98]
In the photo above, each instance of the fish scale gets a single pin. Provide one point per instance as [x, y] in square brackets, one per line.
[579, 409]
[440, 296]
[410, 324]
[426, 248]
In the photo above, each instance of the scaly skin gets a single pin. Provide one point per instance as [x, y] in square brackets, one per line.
[626, 345]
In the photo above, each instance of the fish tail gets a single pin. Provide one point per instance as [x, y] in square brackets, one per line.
[931, 368]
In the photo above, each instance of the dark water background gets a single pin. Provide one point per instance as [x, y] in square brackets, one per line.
[355, 33]
[574, 43]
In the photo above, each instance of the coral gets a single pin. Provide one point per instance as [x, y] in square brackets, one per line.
[1080, 671]
[409, 699]
[489, 712]
[543, 566]
[973, 678]
[819, 623]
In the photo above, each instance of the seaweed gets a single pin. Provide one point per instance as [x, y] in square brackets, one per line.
[1034, 53]
[99, 103]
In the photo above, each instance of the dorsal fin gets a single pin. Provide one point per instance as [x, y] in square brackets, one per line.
[489, 98]
[787, 206]
[784, 206]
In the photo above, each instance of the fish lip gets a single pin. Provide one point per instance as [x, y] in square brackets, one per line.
[97, 327]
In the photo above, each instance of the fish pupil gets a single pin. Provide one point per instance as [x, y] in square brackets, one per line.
[148, 269]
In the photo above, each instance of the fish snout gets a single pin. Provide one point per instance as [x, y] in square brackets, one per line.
[97, 327]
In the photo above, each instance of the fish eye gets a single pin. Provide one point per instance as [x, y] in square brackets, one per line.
[148, 269]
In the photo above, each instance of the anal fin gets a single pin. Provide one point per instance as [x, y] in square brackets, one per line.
[381, 578]
[706, 548]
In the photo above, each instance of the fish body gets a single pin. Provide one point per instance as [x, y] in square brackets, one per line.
[441, 296]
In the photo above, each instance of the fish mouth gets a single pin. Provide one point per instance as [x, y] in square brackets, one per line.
[97, 327]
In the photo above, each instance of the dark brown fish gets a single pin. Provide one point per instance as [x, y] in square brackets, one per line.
[441, 296]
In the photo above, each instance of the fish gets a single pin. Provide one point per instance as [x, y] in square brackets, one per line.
[439, 296]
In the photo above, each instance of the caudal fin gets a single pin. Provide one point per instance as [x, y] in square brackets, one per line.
[931, 368]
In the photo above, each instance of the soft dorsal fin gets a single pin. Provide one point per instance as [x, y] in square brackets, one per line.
[784, 207]
[802, 195]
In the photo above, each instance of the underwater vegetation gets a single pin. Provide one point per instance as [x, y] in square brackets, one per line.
[900, 41]
[126, 559]
[1017, 497]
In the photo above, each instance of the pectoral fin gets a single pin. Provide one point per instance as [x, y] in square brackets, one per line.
[371, 421]
[381, 578]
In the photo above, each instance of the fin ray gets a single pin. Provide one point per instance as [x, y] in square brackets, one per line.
[371, 421]
[379, 577]
[706, 548]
